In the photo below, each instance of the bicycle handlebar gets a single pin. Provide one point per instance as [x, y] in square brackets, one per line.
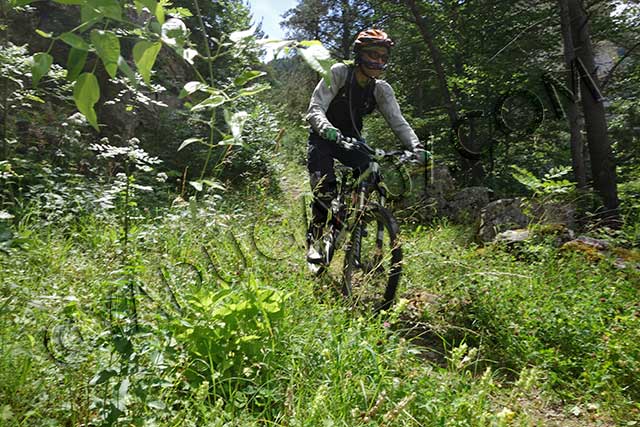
[377, 153]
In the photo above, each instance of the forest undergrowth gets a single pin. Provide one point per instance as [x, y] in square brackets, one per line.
[206, 316]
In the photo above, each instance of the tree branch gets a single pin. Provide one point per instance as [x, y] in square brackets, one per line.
[535, 24]
[610, 74]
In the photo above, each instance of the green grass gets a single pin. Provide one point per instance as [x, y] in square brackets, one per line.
[231, 330]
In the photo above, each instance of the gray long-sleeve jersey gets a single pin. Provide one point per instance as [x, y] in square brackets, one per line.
[386, 103]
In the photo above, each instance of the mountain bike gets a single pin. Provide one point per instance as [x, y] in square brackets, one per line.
[365, 231]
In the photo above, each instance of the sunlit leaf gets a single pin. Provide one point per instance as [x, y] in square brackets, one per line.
[317, 57]
[189, 54]
[40, 66]
[43, 34]
[213, 184]
[86, 92]
[196, 184]
[212, 102]
[190, 141]
[192, 87]
[236, 36]
[123, 392]
[74, 40]
[174, 32]
[144, 55]
[157, 404]
[107, 46]
[236, 122]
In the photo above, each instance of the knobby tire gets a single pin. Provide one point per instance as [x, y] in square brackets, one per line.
[377, 274]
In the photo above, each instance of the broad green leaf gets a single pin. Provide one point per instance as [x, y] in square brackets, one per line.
[107, 46]
[70, 1]
[318, 58]
[144, 55]
[246, 76]
[43, 34]
[74, 40]
[160, 13]
[154, 7]
[237, 36]
[211, 102]
[86, 92]
[75, 63]
[189, 142]
[254, 89]
[127, 71]
[40, 66]
[192, 87]
[94, 9]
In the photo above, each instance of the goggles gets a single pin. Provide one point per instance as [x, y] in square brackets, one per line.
[376, 56]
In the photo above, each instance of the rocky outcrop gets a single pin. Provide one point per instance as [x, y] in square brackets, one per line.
[499, 216]
[466, 204]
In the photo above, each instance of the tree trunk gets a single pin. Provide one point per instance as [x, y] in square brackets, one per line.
[436, 57]
[4, 94]
[345, 41]
[572, 110]
[602, 161]
[474, 168]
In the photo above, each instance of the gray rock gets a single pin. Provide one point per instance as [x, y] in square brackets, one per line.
[466, 204]
[555, 213]
[598, 244]
[513, 236]
[501, 215]
[440, 184]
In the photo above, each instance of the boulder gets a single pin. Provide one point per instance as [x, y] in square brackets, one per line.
[501, 215]
[510, 237]
[466, 204]
[553, 212]
[440, 184]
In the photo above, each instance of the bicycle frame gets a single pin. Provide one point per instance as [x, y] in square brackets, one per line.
[358, 192]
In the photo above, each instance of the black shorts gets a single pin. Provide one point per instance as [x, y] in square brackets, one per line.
[320, 157]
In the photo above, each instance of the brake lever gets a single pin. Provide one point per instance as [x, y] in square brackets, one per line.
[349, 143]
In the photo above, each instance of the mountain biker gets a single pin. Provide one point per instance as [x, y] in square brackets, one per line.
[337, 110]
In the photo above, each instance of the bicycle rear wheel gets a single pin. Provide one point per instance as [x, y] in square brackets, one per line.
[373, 260]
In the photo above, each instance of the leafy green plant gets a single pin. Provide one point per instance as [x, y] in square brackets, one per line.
[549, 185]
[229, 332]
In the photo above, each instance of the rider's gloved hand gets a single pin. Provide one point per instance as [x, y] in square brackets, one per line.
[330, 134]
[421, 155]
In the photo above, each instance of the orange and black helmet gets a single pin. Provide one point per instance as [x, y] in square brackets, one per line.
[372, 37]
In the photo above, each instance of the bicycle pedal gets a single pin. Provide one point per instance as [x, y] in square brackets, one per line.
[314, 269]
[314, 256]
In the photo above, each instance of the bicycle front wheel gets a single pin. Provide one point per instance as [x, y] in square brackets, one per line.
[373, 260]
